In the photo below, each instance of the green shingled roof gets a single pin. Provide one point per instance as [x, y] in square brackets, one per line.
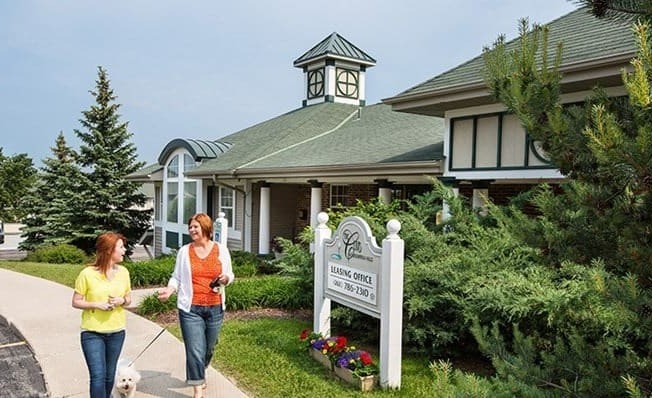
[145, 172]
[334, 46]
[585, 39]
[376, 135]
[330, 134]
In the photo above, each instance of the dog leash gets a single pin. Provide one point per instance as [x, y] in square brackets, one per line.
[145, 349]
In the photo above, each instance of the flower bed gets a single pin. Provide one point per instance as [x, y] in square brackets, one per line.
[348, 363]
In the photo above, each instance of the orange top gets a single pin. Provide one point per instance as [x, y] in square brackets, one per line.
[203, 271]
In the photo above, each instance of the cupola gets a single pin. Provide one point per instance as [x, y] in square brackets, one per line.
[334, 71]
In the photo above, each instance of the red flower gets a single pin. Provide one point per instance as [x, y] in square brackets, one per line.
[365, 358]
[304, 334]
[340, 343]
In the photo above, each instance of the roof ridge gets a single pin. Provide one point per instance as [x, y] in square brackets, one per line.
[346, 119]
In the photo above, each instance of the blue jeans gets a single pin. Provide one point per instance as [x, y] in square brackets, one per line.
[101, 351]
[200, 329]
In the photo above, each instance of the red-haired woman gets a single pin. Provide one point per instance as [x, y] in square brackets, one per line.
[101, 291]
[200, 264]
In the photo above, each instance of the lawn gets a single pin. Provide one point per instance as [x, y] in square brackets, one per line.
[264, 354]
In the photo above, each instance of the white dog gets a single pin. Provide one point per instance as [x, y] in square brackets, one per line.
[126, 378]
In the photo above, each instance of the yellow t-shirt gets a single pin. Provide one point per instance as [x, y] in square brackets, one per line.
[94, 286]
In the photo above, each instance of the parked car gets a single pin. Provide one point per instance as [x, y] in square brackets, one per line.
[2, 232]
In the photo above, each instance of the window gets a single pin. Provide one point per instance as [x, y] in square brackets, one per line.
[339, 196]
[173, 202]
[227, 205]
[158, 203]
[173, 167]
[188, 163]
[315, 83]
[347, 83]
[189, 199]
[179, 197]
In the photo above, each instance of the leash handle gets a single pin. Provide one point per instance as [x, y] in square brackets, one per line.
[145, 349]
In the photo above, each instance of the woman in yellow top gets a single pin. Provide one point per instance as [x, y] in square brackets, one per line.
[101, 291]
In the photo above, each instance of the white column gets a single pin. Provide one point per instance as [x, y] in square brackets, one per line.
[322, 306]
[384, 190]
[391, 317]
[247, 235]
[385, 194]
[315, 201]
[264, 220]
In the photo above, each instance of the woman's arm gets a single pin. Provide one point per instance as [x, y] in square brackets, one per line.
[173, 283]
[78, 301]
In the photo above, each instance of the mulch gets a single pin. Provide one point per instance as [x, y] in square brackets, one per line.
[170, 317]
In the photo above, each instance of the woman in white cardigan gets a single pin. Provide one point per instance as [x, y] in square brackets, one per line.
[201, 267]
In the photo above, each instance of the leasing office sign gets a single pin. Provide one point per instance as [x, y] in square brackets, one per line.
[352, 267]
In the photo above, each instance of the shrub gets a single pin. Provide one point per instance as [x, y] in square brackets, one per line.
[151, 305]
[267, 291]
[154, 272]
[58, 254]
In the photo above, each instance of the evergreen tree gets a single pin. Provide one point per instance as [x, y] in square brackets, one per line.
[604, 147]
[106, 156]
[54, 199]
[619, 9]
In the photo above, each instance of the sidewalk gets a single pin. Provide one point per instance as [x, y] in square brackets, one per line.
[41, 310]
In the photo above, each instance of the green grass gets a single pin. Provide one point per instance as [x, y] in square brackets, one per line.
[64, 274]
[266, 359]
[265, 355]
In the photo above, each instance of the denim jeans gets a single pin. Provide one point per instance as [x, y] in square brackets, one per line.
[200, 329]
[101, 351]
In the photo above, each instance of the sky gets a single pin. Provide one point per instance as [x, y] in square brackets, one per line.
[204, 69]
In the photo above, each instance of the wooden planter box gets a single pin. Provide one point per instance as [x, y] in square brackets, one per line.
[366, 383]
[321, 358]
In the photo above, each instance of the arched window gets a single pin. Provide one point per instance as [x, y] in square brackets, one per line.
[179, 186]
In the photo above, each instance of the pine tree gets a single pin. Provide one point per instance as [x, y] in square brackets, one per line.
[604, 147]
[107, 156]
[54, 199]
[620, 9]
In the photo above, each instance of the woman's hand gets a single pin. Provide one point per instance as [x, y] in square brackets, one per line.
[165, 293]
[116, 301]
[104, 306]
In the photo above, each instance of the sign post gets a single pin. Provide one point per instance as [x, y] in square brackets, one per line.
[220, 228]
[351, 269]
[220, 232]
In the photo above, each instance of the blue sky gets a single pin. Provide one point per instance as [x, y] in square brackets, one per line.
[205, 68]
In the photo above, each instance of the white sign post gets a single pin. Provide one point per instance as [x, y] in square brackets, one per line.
[220, 232]
[353, 270]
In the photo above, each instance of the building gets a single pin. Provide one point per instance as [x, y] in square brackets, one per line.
[487, 151]
[273, 178]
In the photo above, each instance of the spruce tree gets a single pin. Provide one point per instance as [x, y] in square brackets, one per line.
[106, 157]
[54, 200]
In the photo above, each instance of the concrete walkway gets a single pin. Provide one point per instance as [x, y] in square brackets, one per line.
[41, 311]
